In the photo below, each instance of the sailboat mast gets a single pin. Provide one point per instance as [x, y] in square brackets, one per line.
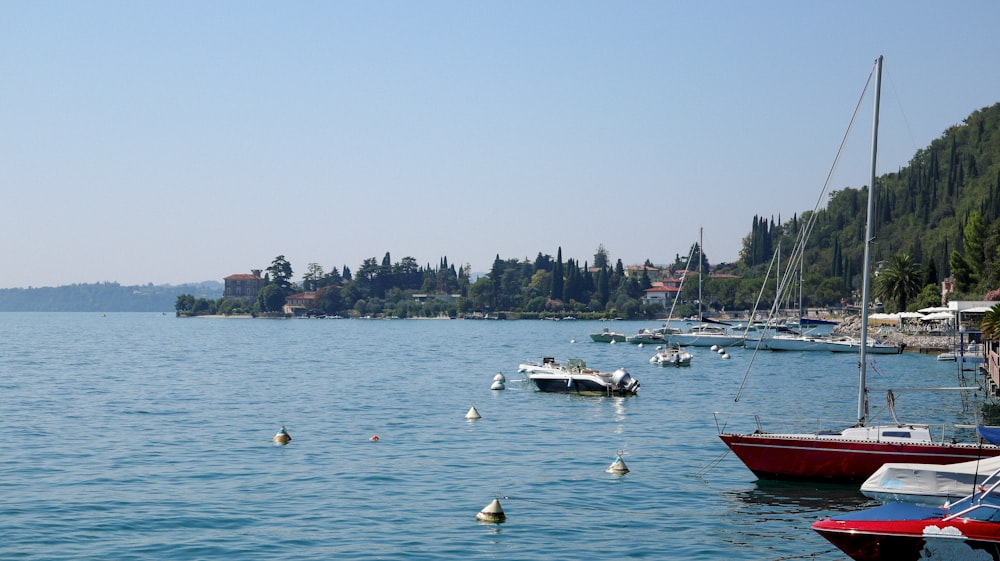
[701, 259]
[866, 283]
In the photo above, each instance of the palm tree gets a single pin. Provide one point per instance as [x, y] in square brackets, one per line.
[898, 282]
[991, 323]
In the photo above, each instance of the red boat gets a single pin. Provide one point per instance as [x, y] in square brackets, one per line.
[968, 530]
[848, 456]
[853, 454]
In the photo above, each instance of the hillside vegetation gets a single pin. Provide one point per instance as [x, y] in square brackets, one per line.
[941, 210]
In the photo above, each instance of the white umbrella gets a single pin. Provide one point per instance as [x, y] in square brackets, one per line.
[936, 316]
[934, 309]
[910, 315]
[978, 310]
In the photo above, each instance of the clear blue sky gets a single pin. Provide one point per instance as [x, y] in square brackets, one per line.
[181, 141]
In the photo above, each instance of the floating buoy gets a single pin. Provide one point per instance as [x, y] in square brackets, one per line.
[282, 437]
[499, 377]
[722, 351]
[613, 341]
[715, 348]
[572, 341]
[498, 386]
[473, 414]
[374, 438]
[641, 345]
[492, 513]
[725, 355]
[618, 466]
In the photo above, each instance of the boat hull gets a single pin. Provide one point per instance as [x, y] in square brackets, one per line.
[928, 537]
[815, 458]
[819, 345]
[575, 385]
[608, 337]
[693, 340]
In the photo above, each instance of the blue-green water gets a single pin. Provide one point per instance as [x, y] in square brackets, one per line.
[143, 436]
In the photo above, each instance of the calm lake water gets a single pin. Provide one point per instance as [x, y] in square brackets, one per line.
[144, 436]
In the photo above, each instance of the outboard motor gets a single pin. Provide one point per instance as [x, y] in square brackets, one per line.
[624, 382]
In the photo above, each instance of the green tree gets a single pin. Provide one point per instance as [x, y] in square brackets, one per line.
[991, 323]
[974, 235]
[898, 282]
[961, 272]
[280, 272]
[271, 298]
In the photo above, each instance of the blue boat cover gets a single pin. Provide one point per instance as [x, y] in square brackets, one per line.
[894, 511]
[990, 434]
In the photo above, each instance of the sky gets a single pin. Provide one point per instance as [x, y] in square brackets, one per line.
[179, 141]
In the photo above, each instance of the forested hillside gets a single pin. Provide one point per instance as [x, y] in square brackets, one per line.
[941, 210]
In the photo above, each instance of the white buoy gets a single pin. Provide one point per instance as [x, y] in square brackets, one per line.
[715, 348]
[499, 377]
[572, 341]
[726, 356]
[613, 341]
[617, 467]
[492, 513]
[498, 385]
[641, 345]
[722, 351]
[473, 414]
[282, 437]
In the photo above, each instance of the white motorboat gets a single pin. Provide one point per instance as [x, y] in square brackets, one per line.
[608, 336]
[576, 377]
[671, 356]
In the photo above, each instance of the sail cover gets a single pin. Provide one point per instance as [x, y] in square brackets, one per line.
[928, 484]
[990, 434]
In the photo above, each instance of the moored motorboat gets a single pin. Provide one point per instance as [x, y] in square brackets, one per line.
[608, 336]
[671, 356]
[965, 530]
[646, 337]
[576, 377]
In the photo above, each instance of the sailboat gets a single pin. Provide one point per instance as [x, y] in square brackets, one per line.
[707, 333]
[854, 453]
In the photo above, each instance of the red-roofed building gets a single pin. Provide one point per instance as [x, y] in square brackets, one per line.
[662, 292]
[243, 286]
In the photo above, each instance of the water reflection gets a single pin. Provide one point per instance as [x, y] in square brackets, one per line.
[801, 498]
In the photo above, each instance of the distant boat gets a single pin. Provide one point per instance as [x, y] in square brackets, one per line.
[833, 344]
[671, 356]
[646, 336]
[854, 453]
[708, 333]
[608, 336]
[576, 377]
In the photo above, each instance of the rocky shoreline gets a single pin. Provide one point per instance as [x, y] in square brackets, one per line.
[924, 343]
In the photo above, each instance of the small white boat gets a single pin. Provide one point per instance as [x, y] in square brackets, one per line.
[646, 337]
[575, 377]
[608, 336]
[671, 356]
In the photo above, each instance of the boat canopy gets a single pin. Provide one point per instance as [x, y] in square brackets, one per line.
[990, 434]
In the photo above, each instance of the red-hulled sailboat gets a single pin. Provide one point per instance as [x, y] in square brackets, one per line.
[852, 454]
